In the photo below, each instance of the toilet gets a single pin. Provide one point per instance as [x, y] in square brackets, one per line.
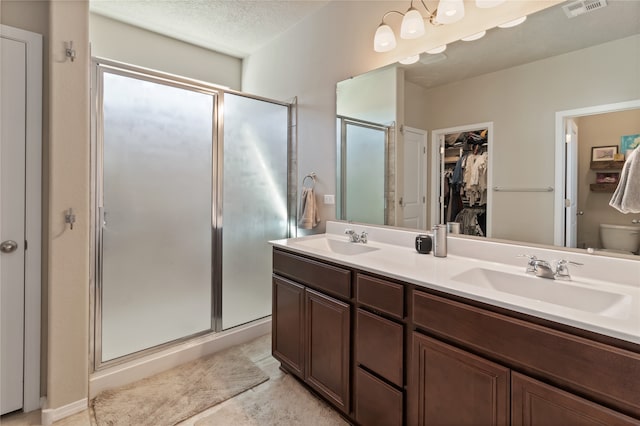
[620, 238]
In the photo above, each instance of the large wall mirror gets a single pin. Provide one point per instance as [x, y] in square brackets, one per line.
[548, 90]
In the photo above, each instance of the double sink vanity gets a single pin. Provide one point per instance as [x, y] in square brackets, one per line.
[389, 336]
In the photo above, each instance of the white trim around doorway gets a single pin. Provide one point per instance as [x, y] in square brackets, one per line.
[559, 225]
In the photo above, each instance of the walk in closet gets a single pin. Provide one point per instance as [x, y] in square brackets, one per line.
[464, 178]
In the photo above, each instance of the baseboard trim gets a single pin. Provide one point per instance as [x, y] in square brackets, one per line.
[138, 369]
[50, 415]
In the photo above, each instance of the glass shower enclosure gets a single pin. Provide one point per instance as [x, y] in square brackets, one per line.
[190, 184]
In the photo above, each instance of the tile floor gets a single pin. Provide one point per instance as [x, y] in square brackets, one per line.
[280, 401]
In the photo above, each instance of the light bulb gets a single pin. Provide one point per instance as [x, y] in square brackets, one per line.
[384, 39]
[412, 25]
[450, 11]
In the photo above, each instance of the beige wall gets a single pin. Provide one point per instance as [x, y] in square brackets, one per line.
[69, 279]
[330, 46]
[600, 130]
[121, 42]
[524, 132]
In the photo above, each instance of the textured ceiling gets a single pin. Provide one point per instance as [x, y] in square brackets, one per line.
[544, 34]
[234, 27]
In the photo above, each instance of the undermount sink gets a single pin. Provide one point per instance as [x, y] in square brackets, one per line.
[336, 246]
[556, 292]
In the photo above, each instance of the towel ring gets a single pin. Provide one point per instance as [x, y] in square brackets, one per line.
[311, 176]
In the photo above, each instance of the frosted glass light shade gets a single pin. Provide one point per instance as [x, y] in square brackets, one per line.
[412, 25]
[486, 4]
[450, 11]
[384, 39]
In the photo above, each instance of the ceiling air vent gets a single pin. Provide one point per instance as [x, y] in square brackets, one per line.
[581, 7]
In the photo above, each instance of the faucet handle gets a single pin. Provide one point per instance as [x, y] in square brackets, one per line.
[363, 237]
[349, 231]
[562, 268]
[531, 265]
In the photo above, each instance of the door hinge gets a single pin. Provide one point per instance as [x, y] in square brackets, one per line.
[25, 245]
[567, 202]
[424, 200]
[424, 150]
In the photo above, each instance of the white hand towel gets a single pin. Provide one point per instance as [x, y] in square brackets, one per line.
[308, 210]
[626, 198]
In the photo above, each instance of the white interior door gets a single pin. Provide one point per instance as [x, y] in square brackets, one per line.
[12, 222]
[413, 197]
[571, 190]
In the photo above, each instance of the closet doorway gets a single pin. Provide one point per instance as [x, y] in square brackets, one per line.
[461, 180]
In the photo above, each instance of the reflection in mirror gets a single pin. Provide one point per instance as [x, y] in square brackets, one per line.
[550, 81]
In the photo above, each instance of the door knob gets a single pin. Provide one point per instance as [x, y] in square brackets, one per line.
[8, 246]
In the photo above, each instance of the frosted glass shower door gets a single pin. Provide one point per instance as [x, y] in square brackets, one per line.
[363, 173]
[156, 204]
[254, 203]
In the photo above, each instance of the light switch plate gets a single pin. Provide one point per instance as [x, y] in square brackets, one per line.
[330, 199]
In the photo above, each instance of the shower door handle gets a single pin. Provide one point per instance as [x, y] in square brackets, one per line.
[102, 217]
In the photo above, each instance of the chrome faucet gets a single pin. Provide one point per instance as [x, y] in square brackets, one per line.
[355, 238]
[543, 269]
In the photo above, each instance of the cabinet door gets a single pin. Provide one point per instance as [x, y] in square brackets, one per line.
[327, 355]
[288, 325]
[454, 387]
[537, 404]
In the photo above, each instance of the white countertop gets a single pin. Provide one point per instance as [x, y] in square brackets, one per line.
[396, 258]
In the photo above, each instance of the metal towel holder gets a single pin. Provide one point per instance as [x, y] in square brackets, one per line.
[311, 176]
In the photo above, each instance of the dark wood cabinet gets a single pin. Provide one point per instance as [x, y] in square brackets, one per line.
[537, 404]
[418, 356]
[288, 325]
[327, 353]
[379, 346]
[454, 387]
[376, 402]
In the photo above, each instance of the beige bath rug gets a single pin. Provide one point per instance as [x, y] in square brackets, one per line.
[177, 394]
[280, 402]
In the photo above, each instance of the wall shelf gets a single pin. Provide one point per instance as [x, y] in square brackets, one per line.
[603, 187]
[607, 165]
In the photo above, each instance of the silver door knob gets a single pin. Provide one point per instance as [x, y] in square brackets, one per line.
[8, 246]
[580, 213]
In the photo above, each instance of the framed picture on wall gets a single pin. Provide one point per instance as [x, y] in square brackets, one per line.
[629, 142]
[603, 153]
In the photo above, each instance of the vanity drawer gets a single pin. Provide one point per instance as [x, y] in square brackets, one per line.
[605, 373]
[381, 295]
[379, 346]
[376, 403]
[330, 279]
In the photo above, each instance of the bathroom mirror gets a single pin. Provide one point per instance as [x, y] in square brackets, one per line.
[529, 84]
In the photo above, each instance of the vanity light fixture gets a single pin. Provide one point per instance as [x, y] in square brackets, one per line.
[449, 11]
[412, 27]
[513, 23]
